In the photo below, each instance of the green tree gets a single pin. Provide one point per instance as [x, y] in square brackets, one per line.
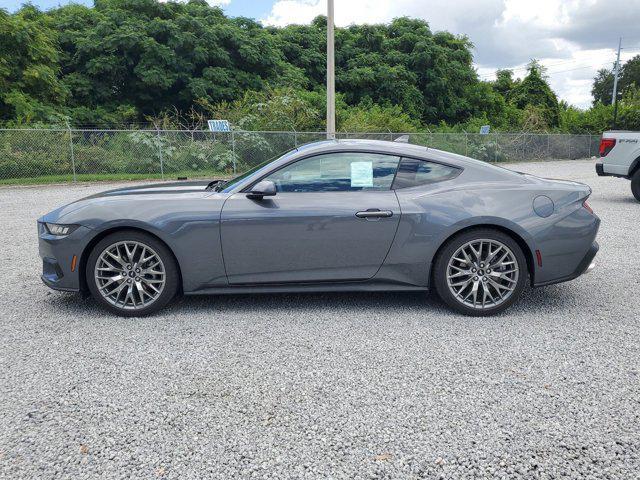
[370, 117]
[30, 88]
[597, 119]
[504, 83]
[534, 91]
[602, 90]
[152, 56]
[630, 109]
[402, 63]
[178, 63]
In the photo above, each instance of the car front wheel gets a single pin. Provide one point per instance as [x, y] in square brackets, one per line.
[480, 272]
[132, 274]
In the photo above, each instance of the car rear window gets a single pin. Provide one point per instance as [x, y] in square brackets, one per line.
[413, 172]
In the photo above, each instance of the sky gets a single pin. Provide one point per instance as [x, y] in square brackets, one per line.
[572, 38]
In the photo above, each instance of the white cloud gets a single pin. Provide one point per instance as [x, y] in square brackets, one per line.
[574, 38]
[285, 12]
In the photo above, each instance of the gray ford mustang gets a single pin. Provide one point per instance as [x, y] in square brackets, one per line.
[352, 215]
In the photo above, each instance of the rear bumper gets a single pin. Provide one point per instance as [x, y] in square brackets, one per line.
[586, 265]
[622, 171]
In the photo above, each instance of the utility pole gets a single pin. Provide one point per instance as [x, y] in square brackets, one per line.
[331, 74]
[615, 87]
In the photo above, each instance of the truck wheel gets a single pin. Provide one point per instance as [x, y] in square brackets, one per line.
[635, 185]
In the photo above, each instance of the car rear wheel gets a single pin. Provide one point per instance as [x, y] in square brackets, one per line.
[132, 274]
[635, 185]
[480, 272]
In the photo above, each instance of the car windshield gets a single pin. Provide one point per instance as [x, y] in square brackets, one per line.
[234, 181]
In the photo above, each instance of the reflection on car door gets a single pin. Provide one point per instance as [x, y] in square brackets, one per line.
[308, 233]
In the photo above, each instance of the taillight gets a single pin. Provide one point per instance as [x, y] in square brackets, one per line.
[606, 145]
[586, 205]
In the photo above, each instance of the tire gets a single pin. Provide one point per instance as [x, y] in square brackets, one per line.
[139, 266]
[635, 185]
[503, 285]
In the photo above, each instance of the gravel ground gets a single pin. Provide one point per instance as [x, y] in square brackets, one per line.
[335, 385]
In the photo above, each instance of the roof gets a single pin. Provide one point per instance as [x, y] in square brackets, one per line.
[398, 148]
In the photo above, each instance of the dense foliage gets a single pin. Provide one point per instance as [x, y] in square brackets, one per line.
[133, 62]
[629, 79]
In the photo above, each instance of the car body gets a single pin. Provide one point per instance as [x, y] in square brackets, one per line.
[620, 157]
[378, 228]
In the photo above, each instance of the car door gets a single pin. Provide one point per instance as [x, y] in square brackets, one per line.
[333, 218]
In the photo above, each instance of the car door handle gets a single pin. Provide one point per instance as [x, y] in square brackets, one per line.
[374, 213]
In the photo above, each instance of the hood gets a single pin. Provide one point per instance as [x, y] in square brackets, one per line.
[143, 192]
[167, 188]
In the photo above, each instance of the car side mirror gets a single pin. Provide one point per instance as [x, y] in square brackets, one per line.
[265, 188]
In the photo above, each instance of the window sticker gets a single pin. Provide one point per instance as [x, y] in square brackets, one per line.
[362, 174]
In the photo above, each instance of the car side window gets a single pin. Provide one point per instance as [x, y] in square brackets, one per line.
[337, 172]
[413, 172]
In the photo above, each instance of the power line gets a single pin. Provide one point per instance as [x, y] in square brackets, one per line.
[489, 76]
[524, 68]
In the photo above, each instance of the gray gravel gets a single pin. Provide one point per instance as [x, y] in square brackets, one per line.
[332, 385]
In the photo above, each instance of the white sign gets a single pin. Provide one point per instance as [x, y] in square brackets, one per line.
[484, 129]
[219, 125]
[362, 174]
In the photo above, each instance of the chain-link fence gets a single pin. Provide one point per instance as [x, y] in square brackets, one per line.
[49, 155]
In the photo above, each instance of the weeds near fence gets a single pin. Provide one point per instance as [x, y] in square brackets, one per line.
[48, 155]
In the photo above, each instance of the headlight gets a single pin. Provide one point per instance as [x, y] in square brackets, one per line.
[60, 230]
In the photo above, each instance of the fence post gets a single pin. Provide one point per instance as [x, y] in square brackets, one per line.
[548, 146]
[589, 141]
[73, 158]
[466, 144]
[295, 138]
[160, 152]
[233, 150]
[495, 153]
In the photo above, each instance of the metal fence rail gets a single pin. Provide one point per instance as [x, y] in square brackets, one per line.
[28, 155]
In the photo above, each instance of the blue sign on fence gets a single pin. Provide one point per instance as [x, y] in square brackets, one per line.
[219, 125]
[484, 129]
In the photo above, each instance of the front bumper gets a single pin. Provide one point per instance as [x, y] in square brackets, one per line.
[57, 254]
[586, 265]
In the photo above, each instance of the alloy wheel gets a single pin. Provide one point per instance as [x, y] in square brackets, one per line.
[482, 273]
[130, 275]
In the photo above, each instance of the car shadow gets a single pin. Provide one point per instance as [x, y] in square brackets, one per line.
[555, 298]
[300, 302]
[627, 200]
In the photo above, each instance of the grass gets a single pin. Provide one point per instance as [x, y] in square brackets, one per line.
[110, 177]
